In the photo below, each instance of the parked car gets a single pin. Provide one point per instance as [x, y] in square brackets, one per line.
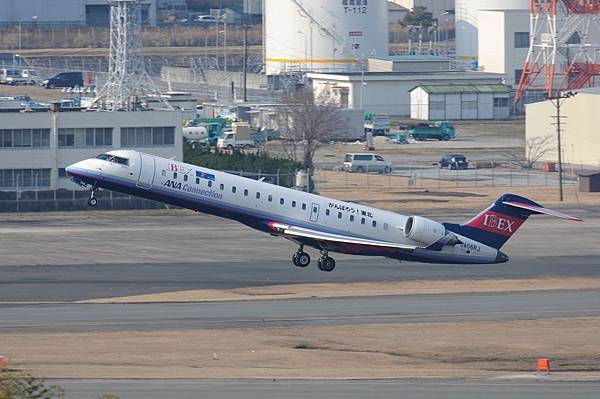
[453, 162]
[64, 79]
[11, 76]
[362, 163]
[30, 76]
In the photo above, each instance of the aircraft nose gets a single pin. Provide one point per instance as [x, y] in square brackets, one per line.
[78, 168]
[501, 257]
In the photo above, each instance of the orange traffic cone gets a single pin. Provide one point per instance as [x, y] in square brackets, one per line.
[543, 365]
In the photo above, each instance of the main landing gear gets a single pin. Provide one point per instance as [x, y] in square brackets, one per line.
[302, 259]
[93, 201]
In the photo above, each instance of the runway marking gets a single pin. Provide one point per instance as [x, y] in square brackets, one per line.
[306, 319]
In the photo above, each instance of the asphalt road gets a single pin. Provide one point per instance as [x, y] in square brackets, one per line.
[301, 312]
[414, 389]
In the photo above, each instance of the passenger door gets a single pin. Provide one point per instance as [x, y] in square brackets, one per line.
[147, 169]
[314, 212]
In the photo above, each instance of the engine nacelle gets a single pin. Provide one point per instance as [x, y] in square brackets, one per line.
[423, 230]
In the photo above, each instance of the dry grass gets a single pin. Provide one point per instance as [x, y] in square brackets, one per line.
[340, 290]
[419, 350]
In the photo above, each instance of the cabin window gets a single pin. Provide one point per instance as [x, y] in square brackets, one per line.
[246, 193]
[339, 215]
[386, 226]
[233, 189]
[374, 223]
[293, 204]
[362, 220]
[197, 180]
[303, 207]
[270, 198]
[257, 195]
[326, 212]
[174, 175]
[281, 201]
[164, 172]
[185, 177]
[210, 183]
[222, 187]
[352, 218]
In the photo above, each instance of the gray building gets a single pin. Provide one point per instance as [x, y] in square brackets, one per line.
[74, 12]
[36, 147]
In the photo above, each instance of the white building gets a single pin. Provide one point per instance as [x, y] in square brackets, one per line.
[460, 102]
[36, 147]
[504, 42]
[385, 93]
[408, 63]
[74, 12]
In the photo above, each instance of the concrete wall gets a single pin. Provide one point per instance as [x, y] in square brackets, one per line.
[497, 51]
[580, 135]
[56, 157]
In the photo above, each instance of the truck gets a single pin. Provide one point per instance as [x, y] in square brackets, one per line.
[379, 125]
[205, 131]
[436, 131]
[230, 141]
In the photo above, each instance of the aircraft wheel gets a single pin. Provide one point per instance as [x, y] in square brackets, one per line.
[295, 259]
[326, 264]
[302, 259]
[92, 202]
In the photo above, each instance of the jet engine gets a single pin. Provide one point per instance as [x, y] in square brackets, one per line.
[423, 230]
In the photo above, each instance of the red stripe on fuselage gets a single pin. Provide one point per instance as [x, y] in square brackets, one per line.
[497, 223]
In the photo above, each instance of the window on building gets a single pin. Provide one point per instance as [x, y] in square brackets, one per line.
[147, 136]
[501, 102]
[521, 39]
[24, 178]
[24, 138]
[518, 74]
[66, 137]
[62, 172]
[85, 137]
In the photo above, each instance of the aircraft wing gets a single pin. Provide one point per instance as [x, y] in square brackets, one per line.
[301, 232]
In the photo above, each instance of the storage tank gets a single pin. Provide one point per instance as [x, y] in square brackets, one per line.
[323, 35]
[467, 15]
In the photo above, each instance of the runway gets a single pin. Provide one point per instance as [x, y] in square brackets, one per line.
[414, 389]
[303, 312]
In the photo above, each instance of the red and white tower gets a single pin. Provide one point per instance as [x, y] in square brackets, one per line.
[564, 51]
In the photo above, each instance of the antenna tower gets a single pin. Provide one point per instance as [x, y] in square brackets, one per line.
[564, 51]
[128, 83]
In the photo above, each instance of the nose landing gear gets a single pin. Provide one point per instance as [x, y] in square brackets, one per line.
[93, 201]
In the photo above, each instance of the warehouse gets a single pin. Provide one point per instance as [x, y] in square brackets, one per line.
[387, 93]
[36, 147]
[580, 144]
[460, 102]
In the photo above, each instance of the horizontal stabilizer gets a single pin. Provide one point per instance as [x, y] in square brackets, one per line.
[534, 209]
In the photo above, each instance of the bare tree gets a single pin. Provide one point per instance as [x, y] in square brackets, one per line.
[536, 149]
[307, 125]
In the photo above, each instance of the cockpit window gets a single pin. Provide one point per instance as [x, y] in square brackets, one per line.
[114, 159]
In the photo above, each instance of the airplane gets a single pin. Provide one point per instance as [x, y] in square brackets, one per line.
[310, 220]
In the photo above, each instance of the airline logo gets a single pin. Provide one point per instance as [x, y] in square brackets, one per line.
[497, 223]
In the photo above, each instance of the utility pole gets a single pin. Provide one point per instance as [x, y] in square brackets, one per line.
[245, 64]
[558, 97]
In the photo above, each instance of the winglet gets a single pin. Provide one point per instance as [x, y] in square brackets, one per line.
[541, 210]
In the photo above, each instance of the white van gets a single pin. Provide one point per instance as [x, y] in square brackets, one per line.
[11, 76]
[362, 163]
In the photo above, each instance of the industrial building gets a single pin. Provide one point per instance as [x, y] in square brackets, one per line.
[580, 145]
[503, 42]
[387, 93]
[66, 12]
[460, 102]
[436, 7]
[36, 147]
[335, 36]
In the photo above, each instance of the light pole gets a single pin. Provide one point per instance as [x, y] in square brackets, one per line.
[558, 97]
[305, 46]
[33, 18]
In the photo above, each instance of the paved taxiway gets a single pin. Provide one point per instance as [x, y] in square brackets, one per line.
[301, 312]
[414, 389]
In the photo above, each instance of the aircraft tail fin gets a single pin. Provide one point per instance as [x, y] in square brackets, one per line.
[495, 225]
